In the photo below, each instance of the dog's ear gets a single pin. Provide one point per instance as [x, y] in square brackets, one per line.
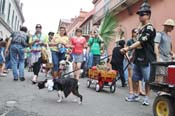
[67, 62]
[45, 80]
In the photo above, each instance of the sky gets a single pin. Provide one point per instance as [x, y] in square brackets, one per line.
[49, 12]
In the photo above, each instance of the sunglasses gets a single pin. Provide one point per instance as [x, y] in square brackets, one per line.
[142, 14]
[38, 27]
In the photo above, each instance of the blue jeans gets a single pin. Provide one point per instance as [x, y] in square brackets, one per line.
[8, 63]
[55, 60]
[89, 60]
[125, 63]
[17, 57]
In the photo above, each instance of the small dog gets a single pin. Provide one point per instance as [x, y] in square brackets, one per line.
[64, 86]
[65, 68]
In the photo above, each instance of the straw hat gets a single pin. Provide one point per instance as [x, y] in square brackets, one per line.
[169, 22]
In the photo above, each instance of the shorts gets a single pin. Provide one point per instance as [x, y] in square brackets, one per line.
[141, 72]
[79, 58]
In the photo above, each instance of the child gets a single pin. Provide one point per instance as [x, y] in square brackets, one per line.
[117, 61]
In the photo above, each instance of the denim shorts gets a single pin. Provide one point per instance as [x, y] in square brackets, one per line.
[78, 58]
[141, 72]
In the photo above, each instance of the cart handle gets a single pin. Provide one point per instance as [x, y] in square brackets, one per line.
[163, 63]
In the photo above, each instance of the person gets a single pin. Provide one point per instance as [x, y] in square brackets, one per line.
[117, 60]
[17, 43]
[144, 50]
[94, 48]
[163, 48]
[37, 42]
[130, 67]
[78, 42]
[44, 68]
[2, 59]
[7, 57]
[58, 46]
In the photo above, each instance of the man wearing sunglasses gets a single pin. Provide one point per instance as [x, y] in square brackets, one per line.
[144, 50]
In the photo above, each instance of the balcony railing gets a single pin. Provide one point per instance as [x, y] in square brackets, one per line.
[117, 5]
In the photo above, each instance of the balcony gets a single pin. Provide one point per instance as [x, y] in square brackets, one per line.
[115, 6]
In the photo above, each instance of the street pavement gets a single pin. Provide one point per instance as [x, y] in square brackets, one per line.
[25, 99]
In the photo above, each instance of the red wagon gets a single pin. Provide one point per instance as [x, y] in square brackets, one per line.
[102, 78]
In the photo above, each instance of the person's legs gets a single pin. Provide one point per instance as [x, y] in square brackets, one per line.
[21, 61]
[90, 60]
[146, 75]
[130, 84]
[55, 60]
[96, 59]
[78, 71]
[14, 60]
[36, 69]
[135, 78]
[121, 72]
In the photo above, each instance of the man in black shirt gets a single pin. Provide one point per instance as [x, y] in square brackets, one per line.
[144, 50]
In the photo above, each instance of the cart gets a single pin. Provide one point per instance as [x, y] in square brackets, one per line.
[101, 79]
[164, 103]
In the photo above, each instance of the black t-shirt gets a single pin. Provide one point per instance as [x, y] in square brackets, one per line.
[145, 53]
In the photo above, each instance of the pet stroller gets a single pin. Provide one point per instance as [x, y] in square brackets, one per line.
[164, 103]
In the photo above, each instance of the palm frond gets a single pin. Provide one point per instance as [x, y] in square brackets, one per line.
[107, 28]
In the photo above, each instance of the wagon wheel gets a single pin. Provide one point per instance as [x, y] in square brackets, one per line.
[88, 83]
[112, 88]
[97, 87]
[163, 106]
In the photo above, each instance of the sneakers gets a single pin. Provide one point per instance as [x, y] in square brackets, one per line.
[146, 101]
[22, 79]
[3, 74]
[132, 98]
[15, 79]
[34, 79]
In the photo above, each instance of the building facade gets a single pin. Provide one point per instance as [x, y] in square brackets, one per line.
[87, 24]
[76, 22]
[11, 17]
[64, 23]
[125, 12]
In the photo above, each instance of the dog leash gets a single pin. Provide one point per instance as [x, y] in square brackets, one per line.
[128, 62]
[70, 72]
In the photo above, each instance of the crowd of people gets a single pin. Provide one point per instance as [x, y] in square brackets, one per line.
[145, 46]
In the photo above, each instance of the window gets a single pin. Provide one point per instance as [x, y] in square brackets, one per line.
[0, 5]
[13, 18]
[3, 7]
[8, 18]
[15, 23]
[18, 25]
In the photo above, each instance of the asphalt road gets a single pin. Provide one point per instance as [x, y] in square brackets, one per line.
[24, 99]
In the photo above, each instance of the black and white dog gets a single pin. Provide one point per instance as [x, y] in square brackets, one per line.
[64, 86]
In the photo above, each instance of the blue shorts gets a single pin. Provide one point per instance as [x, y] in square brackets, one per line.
[141, 72]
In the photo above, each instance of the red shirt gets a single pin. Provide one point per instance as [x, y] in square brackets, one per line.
[78, 43]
